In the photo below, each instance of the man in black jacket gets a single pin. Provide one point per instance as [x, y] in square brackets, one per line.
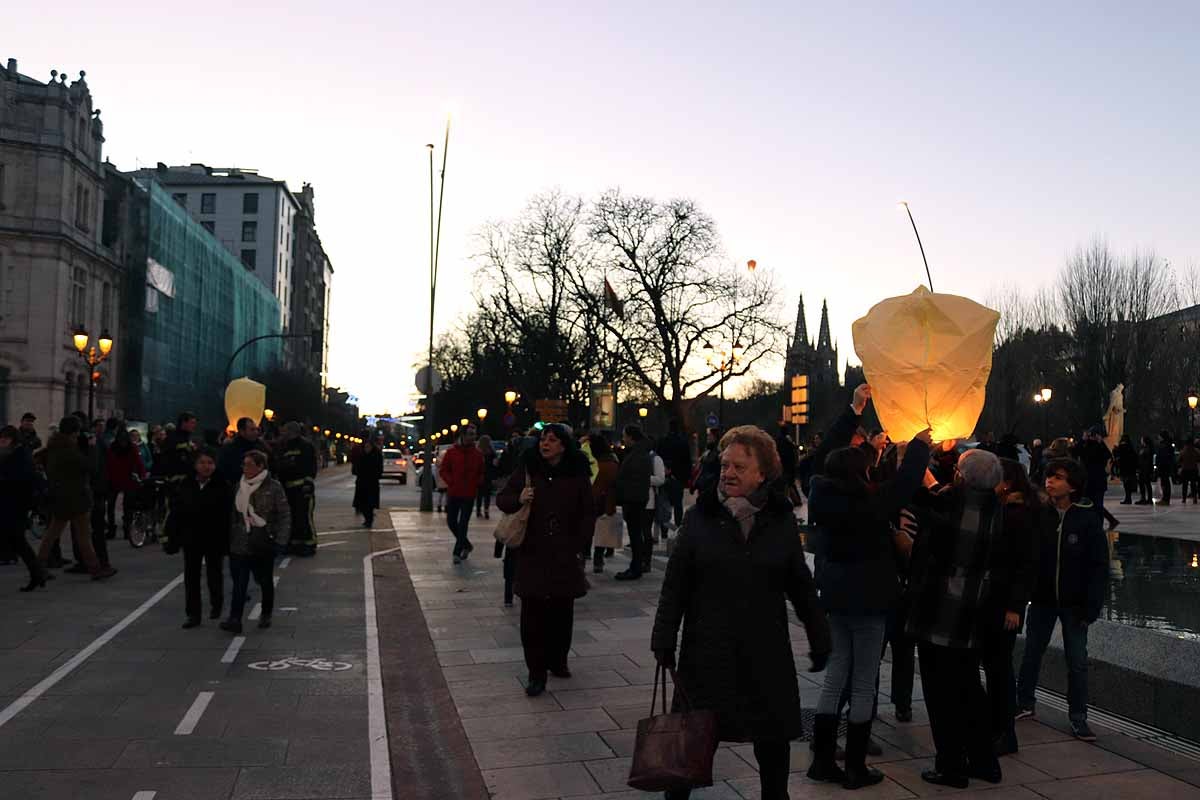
[1070, 587]
[229, 460]
[295, 466]
[633, 492]
[200, 525]
[677, 458]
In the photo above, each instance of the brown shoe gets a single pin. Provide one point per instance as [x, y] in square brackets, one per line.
[103, 573]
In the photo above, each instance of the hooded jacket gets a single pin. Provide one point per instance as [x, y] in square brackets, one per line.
[1073, 561]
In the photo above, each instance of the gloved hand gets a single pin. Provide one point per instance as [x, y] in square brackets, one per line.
[665, 657]
[819, 660]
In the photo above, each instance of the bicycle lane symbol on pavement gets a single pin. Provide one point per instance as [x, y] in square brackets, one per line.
[318, 664]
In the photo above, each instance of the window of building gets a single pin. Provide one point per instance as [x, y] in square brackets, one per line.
[208, 203]
[249, 231]
[180, 198]
[250, 203]
[250, 258]
[209, 226]
[78, 296]
[106, 306]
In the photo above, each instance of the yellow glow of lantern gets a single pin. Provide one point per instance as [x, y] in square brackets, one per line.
[927, 357]
[751, 265]
[269, 414]
[244, 398]
[482, 414]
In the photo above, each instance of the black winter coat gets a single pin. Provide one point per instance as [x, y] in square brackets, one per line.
[1073, 561]
[1146, 463]
[200, 515]
[731, 597]
[561, 523]
[1126, 456]
[16, 489]
[633, 476]
[367, 472]
[852, 538]
[1164, 460]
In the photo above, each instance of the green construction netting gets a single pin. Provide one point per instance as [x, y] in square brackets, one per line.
[201, 305]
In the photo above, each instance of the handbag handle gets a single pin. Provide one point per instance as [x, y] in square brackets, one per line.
[660, 674]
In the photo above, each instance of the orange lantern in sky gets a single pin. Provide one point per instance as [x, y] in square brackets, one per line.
[927, 357]
[751, 265]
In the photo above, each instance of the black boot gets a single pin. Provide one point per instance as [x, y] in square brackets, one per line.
[858, 774]
[824, 743]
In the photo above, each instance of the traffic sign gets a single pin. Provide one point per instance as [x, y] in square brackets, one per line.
[429, 380]
[712, 421]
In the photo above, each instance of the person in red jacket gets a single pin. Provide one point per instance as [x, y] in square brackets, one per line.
[462, 470]
[124, 470]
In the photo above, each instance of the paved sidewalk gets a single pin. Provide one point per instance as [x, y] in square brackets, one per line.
[576, 740]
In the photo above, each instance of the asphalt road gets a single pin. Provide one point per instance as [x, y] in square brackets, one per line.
[103, 695]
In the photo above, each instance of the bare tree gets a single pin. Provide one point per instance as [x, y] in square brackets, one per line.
[663, 263]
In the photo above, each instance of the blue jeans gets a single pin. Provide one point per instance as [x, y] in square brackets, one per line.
[857, 643]
[1039, 625]
[458, 517]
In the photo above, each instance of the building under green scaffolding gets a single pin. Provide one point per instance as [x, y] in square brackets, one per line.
[189, 304]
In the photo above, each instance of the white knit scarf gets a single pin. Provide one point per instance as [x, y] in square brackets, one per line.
[247, 487]
[743, 509]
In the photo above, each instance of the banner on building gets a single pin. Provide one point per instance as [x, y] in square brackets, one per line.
[603, 407]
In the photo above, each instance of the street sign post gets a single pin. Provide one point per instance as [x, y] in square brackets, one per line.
[551, 410]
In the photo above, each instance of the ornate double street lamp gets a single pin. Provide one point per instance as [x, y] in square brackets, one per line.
[93, 358]
[723, 360]
[1042, 398]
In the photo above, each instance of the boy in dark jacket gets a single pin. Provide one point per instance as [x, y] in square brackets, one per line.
[200, 525]
[1070, 587]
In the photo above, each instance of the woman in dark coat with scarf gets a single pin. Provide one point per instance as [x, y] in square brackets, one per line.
[200, 516]
[737, 560]
[549, 568]
[367, 469]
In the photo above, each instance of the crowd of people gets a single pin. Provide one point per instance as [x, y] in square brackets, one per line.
[945, 553]
[210, 496]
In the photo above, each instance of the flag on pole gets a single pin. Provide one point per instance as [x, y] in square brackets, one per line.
[611, 300]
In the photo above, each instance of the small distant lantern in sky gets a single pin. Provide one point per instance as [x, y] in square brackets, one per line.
[752, 265]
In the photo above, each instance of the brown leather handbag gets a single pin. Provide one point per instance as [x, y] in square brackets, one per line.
[673, 751]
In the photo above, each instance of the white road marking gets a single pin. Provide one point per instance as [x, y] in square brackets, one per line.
[330, 544]
[144, 795]
[344, 530]
[284, 564]
[381, 763]
[192, 718]
[231, 652]
[22, 702]
[256, 612]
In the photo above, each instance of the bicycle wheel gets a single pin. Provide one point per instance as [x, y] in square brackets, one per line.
[139, 529]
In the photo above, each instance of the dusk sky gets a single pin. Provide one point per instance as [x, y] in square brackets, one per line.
[1016, 132]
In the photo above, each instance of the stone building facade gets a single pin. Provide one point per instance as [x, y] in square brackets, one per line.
[827, 390]
[55, 272]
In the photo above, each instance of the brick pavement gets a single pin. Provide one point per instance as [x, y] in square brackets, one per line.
[576, 740]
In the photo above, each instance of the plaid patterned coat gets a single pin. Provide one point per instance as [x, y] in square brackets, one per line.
[957, 569]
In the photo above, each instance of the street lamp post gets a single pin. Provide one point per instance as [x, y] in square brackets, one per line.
[482, 414]
[724, 361]
[435, 238]
[1192, 401]
[1042, 398]
[92, 357]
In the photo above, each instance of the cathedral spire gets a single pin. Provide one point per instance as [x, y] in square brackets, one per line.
[800, 337]
[824, 342]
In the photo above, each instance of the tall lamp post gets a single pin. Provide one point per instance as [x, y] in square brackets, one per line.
[1042, 398]
[435, 240]
[1193, 401]
[93, 358]
[723, 361]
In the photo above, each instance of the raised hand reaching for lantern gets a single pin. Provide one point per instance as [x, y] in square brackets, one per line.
[925, 436]
[862, 396]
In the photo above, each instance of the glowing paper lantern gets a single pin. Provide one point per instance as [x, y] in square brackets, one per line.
[927, 357]
[244, 398]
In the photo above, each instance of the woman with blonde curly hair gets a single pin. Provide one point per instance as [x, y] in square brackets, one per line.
[737, 561]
